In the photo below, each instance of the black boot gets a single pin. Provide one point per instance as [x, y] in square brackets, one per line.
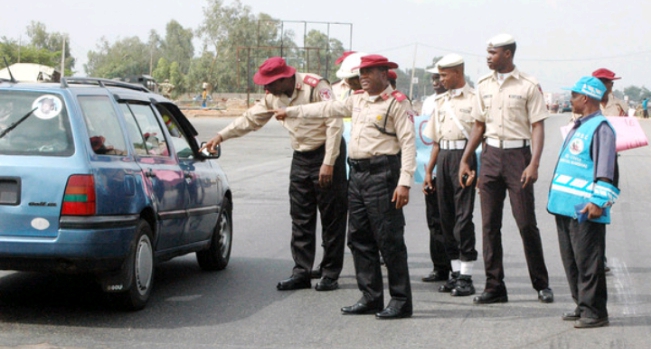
[464, 287]
[451, 283]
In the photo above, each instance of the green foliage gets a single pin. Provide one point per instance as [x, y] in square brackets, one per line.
[124, 58]
[177, 46]
[40, 39]
[162, 70]
[176, 78]
[320, 54]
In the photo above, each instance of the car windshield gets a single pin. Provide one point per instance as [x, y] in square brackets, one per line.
[45, 132]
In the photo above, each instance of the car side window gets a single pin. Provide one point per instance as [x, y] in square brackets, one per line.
[179, 139]
[143, 117]
[103, 127]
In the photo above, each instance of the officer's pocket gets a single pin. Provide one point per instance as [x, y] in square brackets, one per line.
[517, 107]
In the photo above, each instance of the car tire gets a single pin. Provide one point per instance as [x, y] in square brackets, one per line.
[141, 270]
[216, 257]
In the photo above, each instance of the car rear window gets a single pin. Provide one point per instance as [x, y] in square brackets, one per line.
[34, 123]
[106, 137]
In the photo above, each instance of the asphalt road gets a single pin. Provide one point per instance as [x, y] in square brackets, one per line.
[241, 308]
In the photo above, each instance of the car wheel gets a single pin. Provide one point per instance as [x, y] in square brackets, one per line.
[216, 257]
[141, 270]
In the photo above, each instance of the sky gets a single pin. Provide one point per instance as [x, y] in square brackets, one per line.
[558, 40]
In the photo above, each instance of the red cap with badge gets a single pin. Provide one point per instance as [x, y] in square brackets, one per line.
[343, 56]
[371, 61]
[603, 73]
[271, 70]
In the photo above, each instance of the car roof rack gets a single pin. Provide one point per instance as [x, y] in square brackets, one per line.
[66, 82]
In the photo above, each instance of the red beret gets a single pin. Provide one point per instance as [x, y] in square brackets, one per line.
[393, 75]
[376, 61]
[343, 56]
[271, 70]
[603, 73]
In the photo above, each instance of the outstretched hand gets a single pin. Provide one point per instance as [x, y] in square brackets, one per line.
[280, 114]
[212, 144]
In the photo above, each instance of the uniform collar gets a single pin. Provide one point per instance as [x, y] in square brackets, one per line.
[458, 92]
[515, 73]
[383, 96]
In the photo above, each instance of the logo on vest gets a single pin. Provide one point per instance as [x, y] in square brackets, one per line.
[576, 146]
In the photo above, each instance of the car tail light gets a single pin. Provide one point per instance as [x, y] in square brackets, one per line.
[79, 198]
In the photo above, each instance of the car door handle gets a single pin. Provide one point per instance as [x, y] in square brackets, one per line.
[150, 173]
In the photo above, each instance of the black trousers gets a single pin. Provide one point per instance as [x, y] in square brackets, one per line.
[456, 205]
[582, 251]
[306, 196]
[501, 170]
[436, 239]
[375, 226]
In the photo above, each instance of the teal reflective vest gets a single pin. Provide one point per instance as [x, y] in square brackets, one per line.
[574, 183]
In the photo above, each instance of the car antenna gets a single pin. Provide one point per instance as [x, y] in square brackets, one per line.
[13, 80]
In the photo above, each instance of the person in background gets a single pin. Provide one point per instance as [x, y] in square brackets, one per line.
[588, 155]
[348, 84]
[452, 121]
[610, 105]
[645, 106]
[440, 260]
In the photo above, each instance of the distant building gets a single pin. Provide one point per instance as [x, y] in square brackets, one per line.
[31, 72]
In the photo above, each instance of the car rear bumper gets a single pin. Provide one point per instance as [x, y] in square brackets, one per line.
[83, 244]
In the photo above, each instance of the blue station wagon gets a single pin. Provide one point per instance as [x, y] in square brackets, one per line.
[105, 178]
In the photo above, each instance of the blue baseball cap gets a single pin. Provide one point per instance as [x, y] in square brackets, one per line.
[589, 86]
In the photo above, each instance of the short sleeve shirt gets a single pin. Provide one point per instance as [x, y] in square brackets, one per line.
[509, 110]
[450, 105]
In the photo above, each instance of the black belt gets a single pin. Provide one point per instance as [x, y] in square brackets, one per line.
[374, 164]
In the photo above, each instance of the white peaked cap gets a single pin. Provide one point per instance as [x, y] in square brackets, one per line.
[449, 61]
[501, 40]
[346, 69]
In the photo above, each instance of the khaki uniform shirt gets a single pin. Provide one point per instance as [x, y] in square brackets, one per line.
[509, 110]
[366, 140]
[614, 107]
[443, 125]
[305, 134]
[341, 90]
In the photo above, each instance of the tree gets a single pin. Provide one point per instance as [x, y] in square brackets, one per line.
[176, 78]
[52, 42]
[162, 70]
[177, 46]
[224, 29]
[125, 58]
[320, 54]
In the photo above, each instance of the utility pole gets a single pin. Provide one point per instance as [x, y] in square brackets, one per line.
[413, 71]
[63, 57]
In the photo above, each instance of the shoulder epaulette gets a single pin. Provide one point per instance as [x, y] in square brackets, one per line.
[529, 78]
[311, 80]
[358, 91]
[484, 77]
[399, 96]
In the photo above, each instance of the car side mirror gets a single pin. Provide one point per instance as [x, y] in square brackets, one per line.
[215, 154]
